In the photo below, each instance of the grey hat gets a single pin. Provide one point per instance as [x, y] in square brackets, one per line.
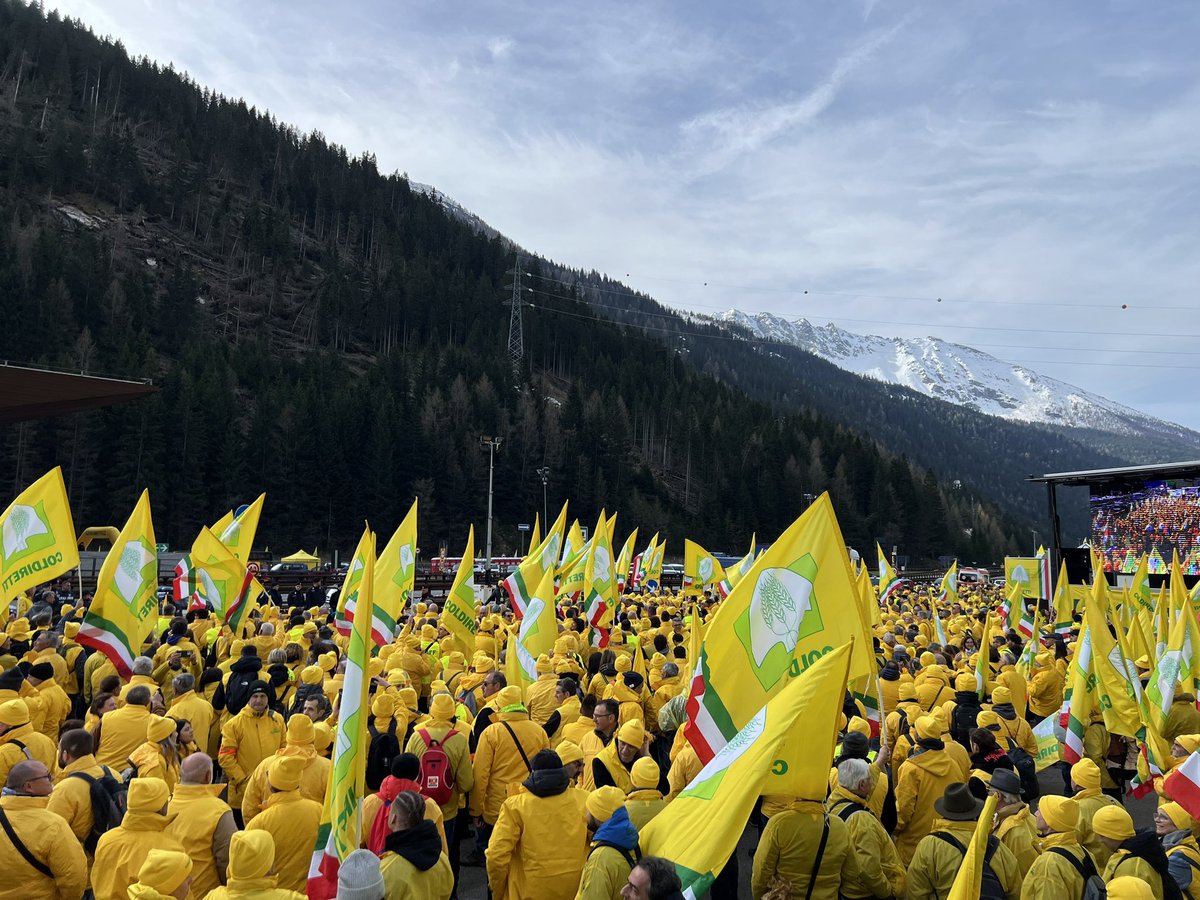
[359, 877]
[1006, 781]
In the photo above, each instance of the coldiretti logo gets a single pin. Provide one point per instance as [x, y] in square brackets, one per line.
[26, 531]
[783, 610]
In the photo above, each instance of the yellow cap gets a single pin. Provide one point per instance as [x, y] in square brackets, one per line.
[383, 706]
[986, 718]
[632, 732]
[603, 802]
[1128, 887]
[1086, 775]
[1112, 822]
[1179, 816]
[312, 675]
[859, 724]
[1001, 694]
[284, 773]
[644, 773]
[929, 727]
[569, 752]
[441, 708]
[1060, 813]
[164, 870]
[147, 795]
[14, 712]
[300, 729]
[159, 728]
[251, 854]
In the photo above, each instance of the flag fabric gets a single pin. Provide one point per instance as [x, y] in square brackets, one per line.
[701, 827]
[37, 536]
[888, 582]
[700, 568]
[395, 573]
[1045, 586]
[1139, 589]
[539, 628]
[652, 565]
[737, 572]
[1025, 571]
[948, 593]
[1179, 660]
[797, 602]
[1049, 744]
[1118, 691]
[1025, 663]
[599, 601]
[624, 560]
[184, 585]
[637, 576]
[340, 831]
[572, 548]
[542, 556]
[124, 608]
[983, 669]
[535, 536]
[458, 612]
[1064, 604]
[236, 531]
[1183, 785]
[223, 582]
[968, 883]
[572, 577]
[1078, 701]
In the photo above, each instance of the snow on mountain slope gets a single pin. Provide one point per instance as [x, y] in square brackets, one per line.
[959, 375]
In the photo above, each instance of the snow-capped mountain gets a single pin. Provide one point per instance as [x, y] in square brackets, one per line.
[959, 375]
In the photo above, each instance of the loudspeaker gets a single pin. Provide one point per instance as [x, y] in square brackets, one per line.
[1079, 564]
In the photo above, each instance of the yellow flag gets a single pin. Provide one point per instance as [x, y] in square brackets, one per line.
[458, 615]
[700, 568]
[599, 584]
[738, 571]
[37, 536]
[223, 581]
[624, 560]
[968, 883]
[542, 557]
[1120, 690]
[572, 548]
[1023, 570]
[125, 606]
[535, 536]
[237, 532]
[1139, 590]
[889, 583]
[701, 827]
[539, 628]
[1179, 659]
[652, 565]
[395, 572]
[796, 604]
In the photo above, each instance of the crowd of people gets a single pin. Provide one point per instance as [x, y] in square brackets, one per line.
[1157, 522]
[203, 773]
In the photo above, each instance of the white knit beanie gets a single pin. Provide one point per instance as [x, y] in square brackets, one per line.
[359, 877]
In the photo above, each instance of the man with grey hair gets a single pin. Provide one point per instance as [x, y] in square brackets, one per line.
[1015, 825]
[881, 874]
[187, 704]
[202, 822]
[39, 854]
[668, 686]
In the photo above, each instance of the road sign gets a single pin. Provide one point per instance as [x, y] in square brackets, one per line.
[161, 548]
[252, 568]
[525, 527]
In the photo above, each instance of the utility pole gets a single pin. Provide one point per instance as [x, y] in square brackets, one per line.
[516, 337]
[493, 444]
[544, 473]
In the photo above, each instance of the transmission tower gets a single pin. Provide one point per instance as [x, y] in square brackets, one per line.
[516, 334]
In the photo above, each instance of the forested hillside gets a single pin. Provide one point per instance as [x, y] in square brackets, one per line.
[322, 332]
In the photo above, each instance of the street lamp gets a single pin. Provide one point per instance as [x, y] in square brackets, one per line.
[544, 473]
[493, 444]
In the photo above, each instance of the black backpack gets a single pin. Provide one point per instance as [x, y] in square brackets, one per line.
[963, 723]
[990, 888]
[237, 690]
[108, 795]
[1026, 768]
[383, 749]
[1093, 884]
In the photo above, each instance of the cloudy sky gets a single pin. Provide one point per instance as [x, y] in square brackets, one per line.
[1032, 164]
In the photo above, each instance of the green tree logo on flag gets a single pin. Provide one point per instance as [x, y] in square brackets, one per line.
[131, 577]
[705, 785]
[26, 530]
[783, 610]
[550, 553]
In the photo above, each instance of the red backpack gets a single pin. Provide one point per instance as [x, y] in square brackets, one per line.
[437, 775]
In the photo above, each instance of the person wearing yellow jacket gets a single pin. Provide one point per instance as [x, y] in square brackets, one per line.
[202, 822]
[498, 761]
[1139, 855]
[164, 875]
[46, 837]
[252, 871]
[939, 855]
[1012, 724]
[1015, 827]
[72, 797]
[539, 844]
[158, 757]
[55, 702]
[124, 729]
[300, 742]
[248, 738]
[645, 800]
[19, 740]
[880, 873]
[540, 696]
[613, 764]
[921, 780]
[610, 855]
[1182, 718]
[627, 691]
[122, 850]
[1085, 778]
[439, 728]
[567, 722]
[1174, 827]
[1045, 688]
[413, 864]
[1052, 876]
[1013, 682]
[291, 820]
[187, 704]
[788, 850]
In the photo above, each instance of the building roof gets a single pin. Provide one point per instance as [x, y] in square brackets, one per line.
[1127, 473]
[27, 393]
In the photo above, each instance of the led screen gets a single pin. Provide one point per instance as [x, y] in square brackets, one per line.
[1157, 518]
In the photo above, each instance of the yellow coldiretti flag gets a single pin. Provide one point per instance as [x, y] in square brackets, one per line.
[1179, 659]
[653, 565]
[37, 536]
[458, 614]
[535, 536]
[624, 560]
[1119, 688]
[1139, 590]
[867, 598]
[1064, 603]
[539, 628]
[701, 827]
[983, 668]
[541, 558]
[797, 603]
[340, 831]
[1023, 570]
[736, 573]
[949, 591]
[395, 573]
[125, 606]
[572, 547]
[695, 638]
[237, 532]
[223, 582]
[700, 568]
[889, 583]
[968, 883]
[599, 585]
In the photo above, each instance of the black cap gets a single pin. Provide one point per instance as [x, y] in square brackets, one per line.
[855, 745]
